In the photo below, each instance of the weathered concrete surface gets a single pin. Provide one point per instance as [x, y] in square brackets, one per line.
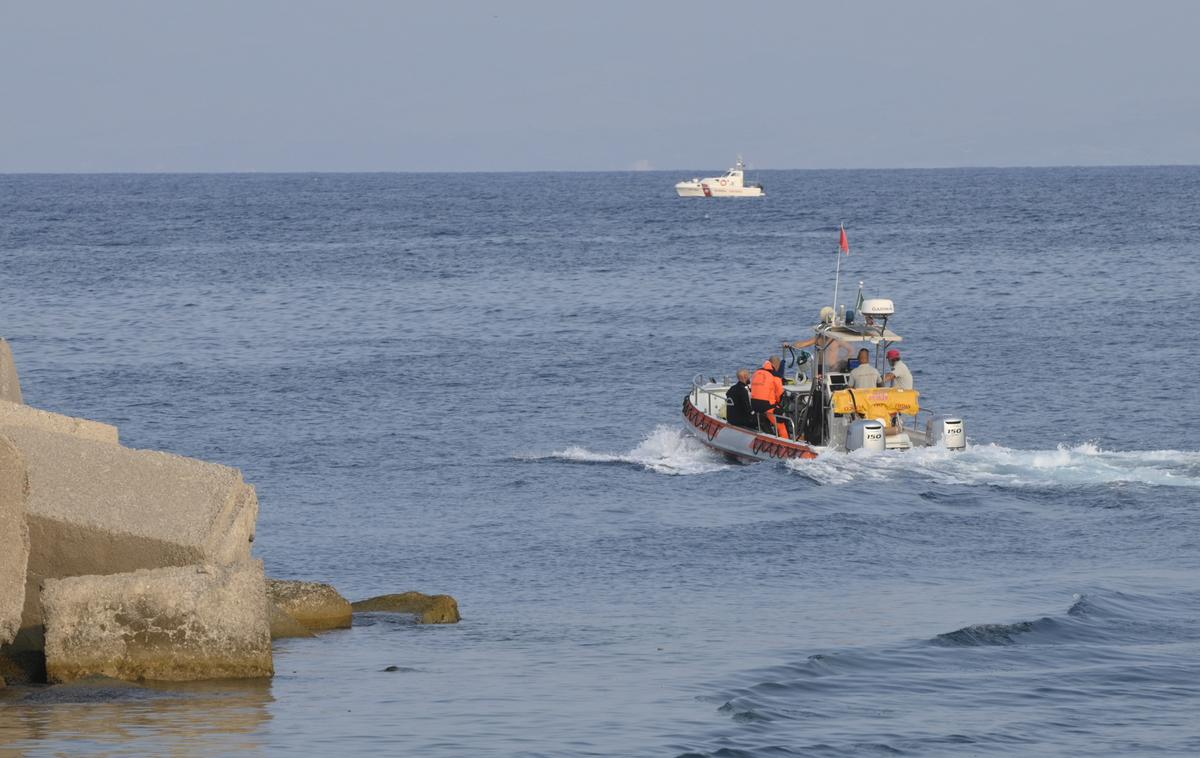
[14, 538]
[16, 414]
[98, 508]
[317, 606]
[284, 626]
[173, 624]
[10, 383]
[432, 609]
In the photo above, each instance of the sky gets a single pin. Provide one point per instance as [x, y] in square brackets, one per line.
[536, 85]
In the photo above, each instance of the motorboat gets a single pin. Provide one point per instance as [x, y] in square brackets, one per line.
[820, 409]
[731, 184]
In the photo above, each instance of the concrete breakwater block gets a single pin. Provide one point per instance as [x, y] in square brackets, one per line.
[10, 383]
[317, 606]
[172, 624]
[16, 414]
[284, 626]
[99, 508]
[14, 539]
[432, 609]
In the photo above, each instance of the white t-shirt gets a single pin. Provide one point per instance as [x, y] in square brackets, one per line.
[865, 377]
[903, 378]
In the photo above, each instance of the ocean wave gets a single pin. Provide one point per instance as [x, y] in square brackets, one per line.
[666, 450]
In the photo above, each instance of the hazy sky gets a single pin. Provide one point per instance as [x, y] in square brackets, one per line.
[254, 85]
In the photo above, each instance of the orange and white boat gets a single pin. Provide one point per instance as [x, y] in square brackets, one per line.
[820, 409]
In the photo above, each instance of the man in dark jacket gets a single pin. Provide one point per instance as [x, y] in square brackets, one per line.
[738, 411]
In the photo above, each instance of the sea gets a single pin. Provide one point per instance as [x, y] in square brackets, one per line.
[471, 384]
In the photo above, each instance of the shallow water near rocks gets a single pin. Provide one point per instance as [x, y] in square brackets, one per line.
[471, 384]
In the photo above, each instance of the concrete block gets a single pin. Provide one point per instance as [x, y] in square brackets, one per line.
[284, 626]
[10, 383]
[14, 538]
[16, 414]
[317, 606]
[432, 609]
[99, 508]
[173, 624]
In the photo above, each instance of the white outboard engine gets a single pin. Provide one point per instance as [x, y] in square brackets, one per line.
[953, 433]
[865, 433]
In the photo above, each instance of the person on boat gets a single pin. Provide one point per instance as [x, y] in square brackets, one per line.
[766, 390]
[899, 376]
[864, 376]
[833, 352]
[738, 409]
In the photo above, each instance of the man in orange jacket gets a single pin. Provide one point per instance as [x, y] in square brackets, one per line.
[766, 390]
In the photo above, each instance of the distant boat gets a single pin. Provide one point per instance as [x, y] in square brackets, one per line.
[732, 184]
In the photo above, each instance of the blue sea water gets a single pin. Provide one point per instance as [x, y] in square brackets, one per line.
[471, 384]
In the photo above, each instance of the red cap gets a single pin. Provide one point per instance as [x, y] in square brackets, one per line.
[893, 355]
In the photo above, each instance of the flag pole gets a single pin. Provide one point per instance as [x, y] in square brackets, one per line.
[838, 275]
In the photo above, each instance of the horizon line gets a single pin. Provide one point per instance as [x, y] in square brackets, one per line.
[220, 172]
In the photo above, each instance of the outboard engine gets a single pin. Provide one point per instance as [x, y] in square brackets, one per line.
[953, 433]
[865, 433]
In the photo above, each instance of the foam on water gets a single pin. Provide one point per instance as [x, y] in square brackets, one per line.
[666, 450]
[1079, 465]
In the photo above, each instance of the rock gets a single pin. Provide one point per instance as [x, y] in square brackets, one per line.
[284, 626]
[432, 609]
[172, 624]
[10, 383]
[14, 539]
[98, 508]
[16, 414]
[315, 605]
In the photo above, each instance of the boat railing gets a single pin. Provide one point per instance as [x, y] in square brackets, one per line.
[703, 397]
[922, 423]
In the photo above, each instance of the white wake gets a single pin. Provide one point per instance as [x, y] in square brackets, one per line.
[1078, 465]
[666, 450]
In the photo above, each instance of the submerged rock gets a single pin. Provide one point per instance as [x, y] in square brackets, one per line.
[315, 605]
[432, 609]
[14, 539]
[10, 383]
[171, 624]
[98, 508]
[284, 626]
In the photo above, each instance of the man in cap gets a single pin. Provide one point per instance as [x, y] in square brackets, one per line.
[899, 376]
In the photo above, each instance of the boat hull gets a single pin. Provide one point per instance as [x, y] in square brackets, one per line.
[713, 189]
[746, 445]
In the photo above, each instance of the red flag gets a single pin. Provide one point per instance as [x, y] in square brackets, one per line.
[844, 242]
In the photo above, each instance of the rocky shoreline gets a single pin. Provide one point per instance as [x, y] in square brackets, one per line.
[136, 564]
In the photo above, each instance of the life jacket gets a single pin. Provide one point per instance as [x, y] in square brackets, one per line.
[765, 385]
